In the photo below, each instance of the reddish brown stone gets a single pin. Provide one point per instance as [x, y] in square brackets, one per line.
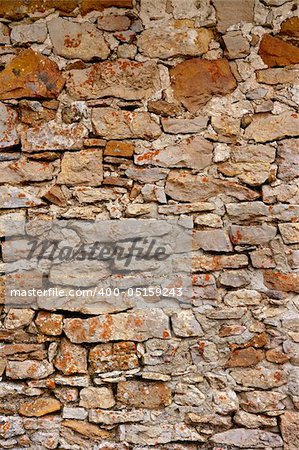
[16, 9]
[118, 148]
[99, 5]
[71, 358]
[286, 282]
[30, 74]
[142, 394]
[290, 27]
[275, 52]
[39, 407]
[48, 323]
[231, 330]
[245, 358]
[276, 356]
[195, 81]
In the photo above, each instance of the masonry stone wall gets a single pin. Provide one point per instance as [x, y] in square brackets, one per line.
[113, 109]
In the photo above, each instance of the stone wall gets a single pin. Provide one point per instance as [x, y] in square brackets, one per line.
[154, 109]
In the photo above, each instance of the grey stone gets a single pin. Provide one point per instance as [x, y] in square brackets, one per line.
[23, 34]
[8, 124]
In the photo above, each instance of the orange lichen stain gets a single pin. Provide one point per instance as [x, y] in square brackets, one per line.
[166, 334]
[107, 328]
[147, 156]
[70, 42]
[138, 321]
[207, 277]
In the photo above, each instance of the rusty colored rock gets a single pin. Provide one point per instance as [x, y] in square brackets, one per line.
[275, 52]
[118, 148]
[141, 394]
[285, 282]
[87, 429]
[290, 429]
[71, 358]
[130, 80]
[39, 407]
[110, 357]
[290, 27]
[30, 74]
[48, 323]
[98, 5]
[245, 357]
[18, 9]
[196, 81]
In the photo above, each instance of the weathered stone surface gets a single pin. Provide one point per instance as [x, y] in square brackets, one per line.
[48, 323]
[136, 326]
[29, 369]
[83, 167]
[230, 12]
[248, 420]
[122, 149]
[245, 438]
[194, 152]
[290, 429]
[13, 197]
[22, 170]
[113, 22]
[196, 81]
[141, 394]
[53, 136]
[18, 9]
[286, 282]
[98, 5]
[279, 75]
[236, 45]
[111, 357]
[275, 52]
[11, 426]
[22, 34]
[8, 123]
[245, 357]
[265, 128]
[77, 40]
[253, 174]
[87, 429]
[4, 34]
[71, 358]
[174, 39]
[189, 188]
[30, 74]
[184, 324]
[289, 27]
[184, 126]
[214, 240]
[208, 263]
[288, 159]
[185, 208]
[39, 407]
[115, 417]
[261, 402]
[253, 235]
[117, 124]
[121, 78]
[242, 297]
[160, 434]
[289, 232]
[259, 377]
[97, 397]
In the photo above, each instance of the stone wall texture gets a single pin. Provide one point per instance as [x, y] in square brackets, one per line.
[112, 109]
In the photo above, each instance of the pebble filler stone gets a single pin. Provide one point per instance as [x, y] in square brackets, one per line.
[165, 109]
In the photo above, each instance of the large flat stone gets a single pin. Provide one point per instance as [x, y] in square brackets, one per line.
[194, 153]
[244, 438]
[8, 123]
[53, 136]
[290, 429]
[276, 52]
[136, 326]
[118, 124]
[269, 127]
[141, 394]
[286, 282]
[77, 40]
[24, 170]
[14, 197]
[81, 168]
[30, 74]
[122, 78]
[196, 81]
[174, 39]
[231, 12]
[186, 187]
